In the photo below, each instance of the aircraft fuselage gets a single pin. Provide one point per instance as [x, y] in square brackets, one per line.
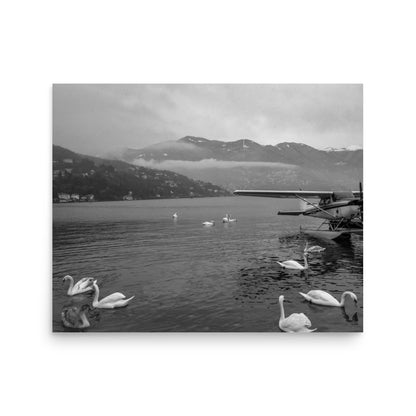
[335, 210]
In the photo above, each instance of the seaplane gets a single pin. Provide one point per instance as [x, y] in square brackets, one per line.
[342, 211]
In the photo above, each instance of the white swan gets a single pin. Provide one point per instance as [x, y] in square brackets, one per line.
[209, 223]
[319, 297]
[74, 317]
[297, 322]
[175, 216]
[82, 286]
[227, 218]
[313, 249]
[115, 300]
[294, 265]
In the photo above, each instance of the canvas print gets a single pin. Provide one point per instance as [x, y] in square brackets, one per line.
[207, 208]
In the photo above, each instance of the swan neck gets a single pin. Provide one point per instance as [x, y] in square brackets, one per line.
[305, 258]
[343, 296]
[96, 294]
[282, 310]
[71, 284]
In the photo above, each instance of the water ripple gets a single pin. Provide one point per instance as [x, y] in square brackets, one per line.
[189, 278]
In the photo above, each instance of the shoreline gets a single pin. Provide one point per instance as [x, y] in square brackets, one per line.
[142, 199]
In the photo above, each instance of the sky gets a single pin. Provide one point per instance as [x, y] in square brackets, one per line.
[99, 119]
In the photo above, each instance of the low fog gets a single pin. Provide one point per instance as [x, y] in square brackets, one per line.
[176, 165]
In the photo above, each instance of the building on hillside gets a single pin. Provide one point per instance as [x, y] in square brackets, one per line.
[87, 198]
[68, 160]
[75, 197]
[62, 197]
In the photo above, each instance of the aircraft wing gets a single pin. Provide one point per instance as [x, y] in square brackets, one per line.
[286, 194]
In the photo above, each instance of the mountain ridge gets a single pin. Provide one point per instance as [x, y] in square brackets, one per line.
[193, 148]
[246, 164]
[109, 180]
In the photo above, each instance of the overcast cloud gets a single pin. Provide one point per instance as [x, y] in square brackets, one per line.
[97, 119]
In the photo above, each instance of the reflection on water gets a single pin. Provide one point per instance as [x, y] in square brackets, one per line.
[187, 277]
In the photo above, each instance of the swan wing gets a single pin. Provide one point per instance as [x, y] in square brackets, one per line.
[305, 296]
[122, 302]
[294, 323]
[114, 297]
[285, 326]
[291, 264]
[304, 319]
[71, 317]
[118, 303]
[85, 283]
[321, 296]
[67, 318]
[297, 322]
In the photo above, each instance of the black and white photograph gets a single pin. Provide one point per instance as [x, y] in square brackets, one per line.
[183, 212]
[208, 208]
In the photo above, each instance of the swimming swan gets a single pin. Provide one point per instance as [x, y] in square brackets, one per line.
[74, 317]
[227, 218]
[175, 216]
[82, 286]
[294, 265]
[319, 297]
[313, 249]
[208, 223]
[115, 300]
[297, 322]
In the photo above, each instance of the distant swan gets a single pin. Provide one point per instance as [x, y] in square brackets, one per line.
[175, 216]
[297, 322]
[115, 300]
[208, 223]
[313, 249]
[319, 297]
[82, 286]
[227, 218]
[294, 265]
[74, 317]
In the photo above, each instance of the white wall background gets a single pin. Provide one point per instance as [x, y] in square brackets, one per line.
[47, 42]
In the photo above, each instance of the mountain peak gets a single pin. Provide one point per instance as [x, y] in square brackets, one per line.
[291, 145]
[244, 143]
[350, 148]
[193, 139]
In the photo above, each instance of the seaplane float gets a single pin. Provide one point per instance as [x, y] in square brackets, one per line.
[341, 211]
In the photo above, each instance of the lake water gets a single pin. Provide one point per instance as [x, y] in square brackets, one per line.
[186, 277]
